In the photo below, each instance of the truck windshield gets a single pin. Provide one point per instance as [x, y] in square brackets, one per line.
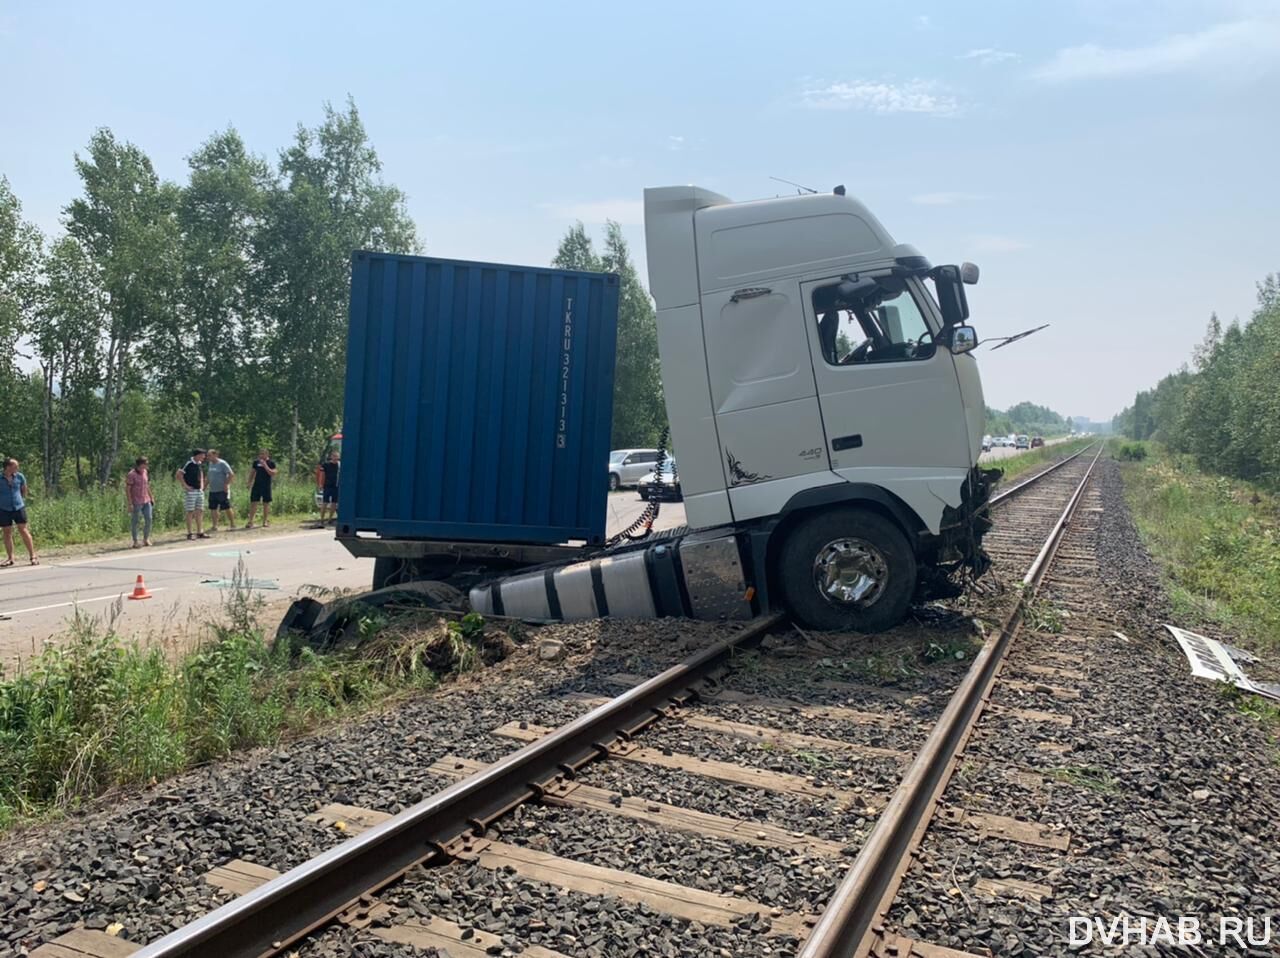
[871, 321]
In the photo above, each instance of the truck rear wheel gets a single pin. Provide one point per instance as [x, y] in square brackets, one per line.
[847, 570]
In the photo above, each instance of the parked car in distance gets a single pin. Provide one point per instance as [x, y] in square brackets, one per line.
[628, 466]
[1037, 442]
[1022, 442]
[666, 485]
[986, 443]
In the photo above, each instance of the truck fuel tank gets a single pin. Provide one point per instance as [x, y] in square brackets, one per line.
[698, 575]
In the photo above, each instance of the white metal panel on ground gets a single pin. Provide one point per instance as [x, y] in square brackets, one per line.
[1210, 659]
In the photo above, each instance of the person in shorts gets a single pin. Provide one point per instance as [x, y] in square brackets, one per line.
[139, 501]
[260, 478]
[192, 478]
[13, 511]
[219, 475]
[328, 476]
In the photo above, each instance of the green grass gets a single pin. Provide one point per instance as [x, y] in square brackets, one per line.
[96, 712]
[1216, 540]
[1014, 467]
[98, 515]
[1085, 776]
[1041, 615]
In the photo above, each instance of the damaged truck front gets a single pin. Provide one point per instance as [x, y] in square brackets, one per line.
[824, 408]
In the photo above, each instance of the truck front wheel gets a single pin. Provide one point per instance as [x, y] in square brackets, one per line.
[847, 570]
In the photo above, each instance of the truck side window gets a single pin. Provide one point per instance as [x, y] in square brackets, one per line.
[874, 320]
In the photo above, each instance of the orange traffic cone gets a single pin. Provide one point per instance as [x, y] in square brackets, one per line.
[140, 590]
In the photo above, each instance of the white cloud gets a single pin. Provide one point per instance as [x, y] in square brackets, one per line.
[626, 212]
[945, 198]
[989, 55]
[995, 243]
[882, 96]
[1235, 44]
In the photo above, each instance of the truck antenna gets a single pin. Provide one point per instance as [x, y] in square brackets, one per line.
[805, 189]
[1006, 340]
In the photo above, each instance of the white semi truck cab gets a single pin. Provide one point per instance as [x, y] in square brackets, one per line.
[826, 415]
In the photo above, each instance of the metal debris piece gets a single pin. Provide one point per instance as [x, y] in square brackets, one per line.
[1211, 659]
[1269, 689]
[1243, 656]
[250, 584]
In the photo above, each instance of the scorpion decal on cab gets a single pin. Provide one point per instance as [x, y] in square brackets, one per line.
[739, 476]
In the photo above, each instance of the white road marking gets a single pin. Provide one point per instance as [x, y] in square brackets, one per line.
[134, 554]
[9, 613]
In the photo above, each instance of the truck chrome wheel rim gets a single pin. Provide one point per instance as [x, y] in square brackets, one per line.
[850, 572]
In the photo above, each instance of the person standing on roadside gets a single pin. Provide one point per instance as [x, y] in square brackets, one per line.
[138, 499]
[260, 479]
[192, 478]
[328, 476]
[220, 476]
[13, 511]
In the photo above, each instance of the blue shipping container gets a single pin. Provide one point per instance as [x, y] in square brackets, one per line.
[479, 401]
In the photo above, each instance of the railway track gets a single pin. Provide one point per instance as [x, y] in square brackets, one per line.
[678, 754]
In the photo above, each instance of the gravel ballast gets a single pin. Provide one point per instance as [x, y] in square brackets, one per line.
[1171, 795]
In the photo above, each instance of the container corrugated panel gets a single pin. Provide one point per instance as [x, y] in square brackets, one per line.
[479, 401]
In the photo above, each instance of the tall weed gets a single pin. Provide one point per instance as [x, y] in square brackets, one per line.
[1216, 539]
[97, 711]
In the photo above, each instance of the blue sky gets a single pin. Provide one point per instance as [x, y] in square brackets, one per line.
[1110, 165]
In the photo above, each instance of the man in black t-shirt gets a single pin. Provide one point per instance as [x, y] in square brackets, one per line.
[328, 474]
[260, 478]
[192, 478]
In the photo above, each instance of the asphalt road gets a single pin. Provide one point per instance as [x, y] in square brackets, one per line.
[1004, 452]
[1000, 452]
[189, 583]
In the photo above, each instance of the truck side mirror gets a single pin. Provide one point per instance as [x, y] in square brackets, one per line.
[951, 298]
[964, 339]
[969, 274]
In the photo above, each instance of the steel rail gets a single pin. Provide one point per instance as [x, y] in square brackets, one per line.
[266, 920]
[1032, 480]
[853, 918]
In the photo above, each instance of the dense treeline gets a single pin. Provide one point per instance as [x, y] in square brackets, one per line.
[1224, 410]
[209, 312]
[214, 312]
[1026, 418]
[639, 415]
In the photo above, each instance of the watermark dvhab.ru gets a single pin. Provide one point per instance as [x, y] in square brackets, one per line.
[1182, 930]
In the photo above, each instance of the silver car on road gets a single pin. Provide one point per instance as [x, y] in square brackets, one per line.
[628, 466]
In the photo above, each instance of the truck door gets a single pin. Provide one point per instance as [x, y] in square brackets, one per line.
[891, 404]
[763, 394]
